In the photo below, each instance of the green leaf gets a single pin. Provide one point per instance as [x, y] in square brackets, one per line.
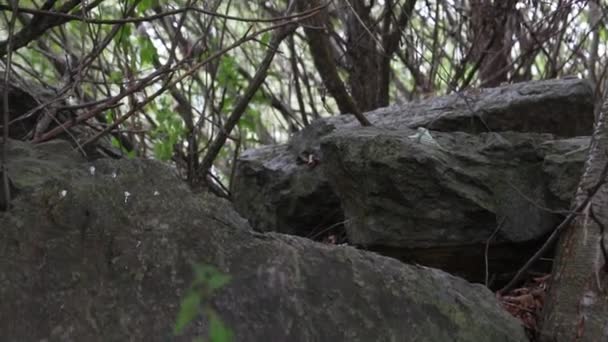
[266, 38]
[603, 32]
[109, 116]
[116, 76]
[123, 37]
[147, 51]
[115, 142]
[218, 332]
[227, 74]
[188, 310]
[146, 5]
[163, 150]
[217, 281]
[210, 277]
[248, 121]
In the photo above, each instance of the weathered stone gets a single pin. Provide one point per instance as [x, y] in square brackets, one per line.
[428, 203]
[563, 166]
[277, 193]
[101, 251]
[563, 107]
[304, 204]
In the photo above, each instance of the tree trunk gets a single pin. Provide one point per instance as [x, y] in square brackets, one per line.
[576, 307]
[489, 24]
[363, 57]
[316, 30]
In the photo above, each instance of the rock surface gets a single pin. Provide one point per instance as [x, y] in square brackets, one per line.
[439, 204]
[278, 192]
[505, 154]
[101, 251]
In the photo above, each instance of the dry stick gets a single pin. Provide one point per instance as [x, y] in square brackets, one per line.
[145, 82]
[241, 105]
[245, 38]
[38, 27]
[85, 63]
[556, 233]
[536, 204]
[6, 117]
[326, 229]
[67, 16]
[91, 113]
[487, 251]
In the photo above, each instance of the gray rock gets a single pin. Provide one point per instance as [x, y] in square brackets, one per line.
[276, 192]
[424, 204]
[563, 165]
[563, 107]
[101, 251]
[430, 203]
[304, 202]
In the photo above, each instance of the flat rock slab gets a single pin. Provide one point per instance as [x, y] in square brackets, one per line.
[562, 107]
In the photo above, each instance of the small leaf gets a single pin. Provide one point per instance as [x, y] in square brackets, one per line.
[188, 310]
[218, 280]
[163, 150]
[265, 38]
[227, 74]
[248, 121]
[145, 5]
[218, 332]
[209, 277]
[123, 34]
[147, 51]
[116, 76]
[115, 142]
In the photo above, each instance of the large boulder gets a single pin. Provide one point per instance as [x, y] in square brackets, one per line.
[102, 251]
[439, 203]
[305, 204]
[512, 153]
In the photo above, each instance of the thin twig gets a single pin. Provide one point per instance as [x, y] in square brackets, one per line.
[82, 18]
[556, 233]
[534, 203]
[326, 229]
[487, 262]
